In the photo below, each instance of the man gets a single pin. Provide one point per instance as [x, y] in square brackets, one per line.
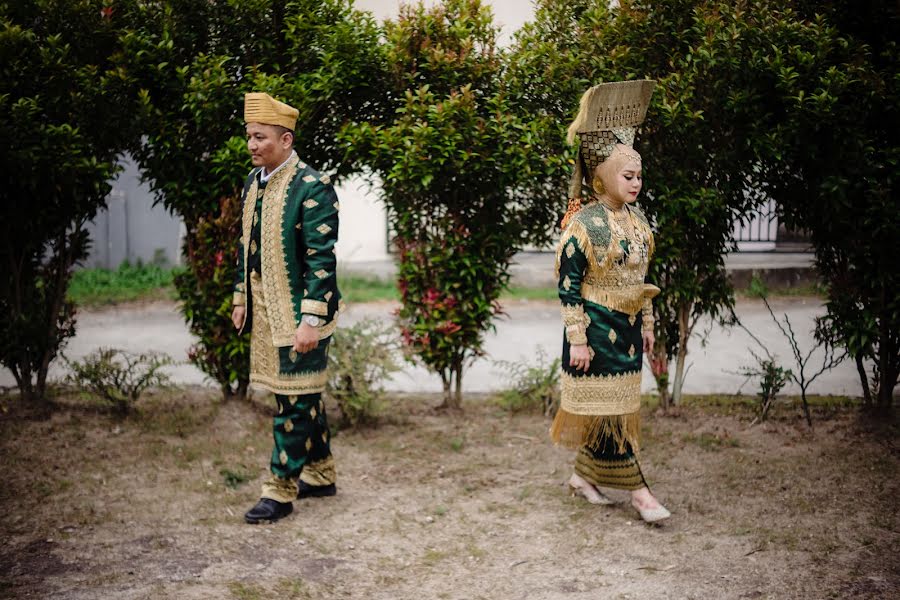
[286, 294]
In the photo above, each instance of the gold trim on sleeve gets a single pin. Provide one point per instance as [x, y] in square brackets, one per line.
[314, 307]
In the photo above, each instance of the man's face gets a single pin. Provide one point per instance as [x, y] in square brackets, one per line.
[267, 147]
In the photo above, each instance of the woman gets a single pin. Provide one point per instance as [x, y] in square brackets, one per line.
[602, 261]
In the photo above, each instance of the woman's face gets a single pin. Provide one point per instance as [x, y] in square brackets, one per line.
[621, 175]
[627, 183]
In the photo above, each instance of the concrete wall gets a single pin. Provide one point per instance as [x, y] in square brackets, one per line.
[132, 228]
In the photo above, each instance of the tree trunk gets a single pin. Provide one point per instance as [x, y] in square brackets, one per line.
[805, 407]
[659, 366]
[684, 313]
[458, 390]
[864, 380]
[446, 380]
[888, 369]
[243, 386]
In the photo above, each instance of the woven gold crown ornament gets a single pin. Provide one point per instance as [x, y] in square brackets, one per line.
[262, 108]
[608, 114]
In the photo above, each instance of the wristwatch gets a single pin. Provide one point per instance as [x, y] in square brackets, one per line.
[311, 320]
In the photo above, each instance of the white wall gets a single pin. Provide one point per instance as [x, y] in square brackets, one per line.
[362, 236]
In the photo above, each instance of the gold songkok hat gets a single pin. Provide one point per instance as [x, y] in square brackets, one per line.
[263, 108]
[609, 114]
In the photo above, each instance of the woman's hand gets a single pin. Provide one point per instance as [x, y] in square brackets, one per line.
[580, 357]
[649, 340]
[238, 314]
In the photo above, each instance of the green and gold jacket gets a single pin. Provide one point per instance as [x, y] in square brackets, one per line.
[299, 230]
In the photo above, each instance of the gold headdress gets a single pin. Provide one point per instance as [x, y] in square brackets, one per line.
[263, 108]
[609, 114]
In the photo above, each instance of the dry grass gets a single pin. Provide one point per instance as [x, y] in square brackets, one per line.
[436, 505]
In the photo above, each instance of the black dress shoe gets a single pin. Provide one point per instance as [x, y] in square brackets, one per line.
[315, 491]
[268, 510]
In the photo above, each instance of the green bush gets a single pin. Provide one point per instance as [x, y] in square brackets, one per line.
[118, 377]
[533, 386]
[360, 358]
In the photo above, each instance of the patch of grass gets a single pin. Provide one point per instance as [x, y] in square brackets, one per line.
[97, 287]
[246, 592]
[456, 444]
[530, 293]
[234, 479]
[433, 556]
[711, 441]
[359, 288]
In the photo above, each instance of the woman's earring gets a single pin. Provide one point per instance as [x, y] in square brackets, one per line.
[597, 185]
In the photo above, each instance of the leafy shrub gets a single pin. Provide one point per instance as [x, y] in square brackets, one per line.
[534, 386]
[360, 358]
[205, 289]
[119, 377]
[772, 378]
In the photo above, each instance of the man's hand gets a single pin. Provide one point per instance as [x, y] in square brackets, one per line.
[306, 338]
[238, 314]
[580, 357]
[649, 340]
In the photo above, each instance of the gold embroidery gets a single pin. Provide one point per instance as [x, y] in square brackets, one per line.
[308, 444]
[321, 273]
[612, 336]
[310, 203]
[337, 206]
[264, 356]
[567, 283]
[325, 437]
[328, 295]
[576, 334]
[310, 251]
[573, 314]
[282, 321]
[601, 394]
[253, 247]
[239, 299]
[255, 218]
[312, 412]
[314, 307]
[282, 456]
[631, 351]
[325, 179]
[323, 229]
[292, 355]
[625, 299]
[280, 490]
[570, 249]
[308, 178]
[632, 319]
[319, 473]
[289, 426]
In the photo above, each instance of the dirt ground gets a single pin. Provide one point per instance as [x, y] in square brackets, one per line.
[444, 506]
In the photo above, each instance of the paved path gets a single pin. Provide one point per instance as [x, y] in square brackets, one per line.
[528, 327]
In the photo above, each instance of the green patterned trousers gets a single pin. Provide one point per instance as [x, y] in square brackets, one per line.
[302, 447]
